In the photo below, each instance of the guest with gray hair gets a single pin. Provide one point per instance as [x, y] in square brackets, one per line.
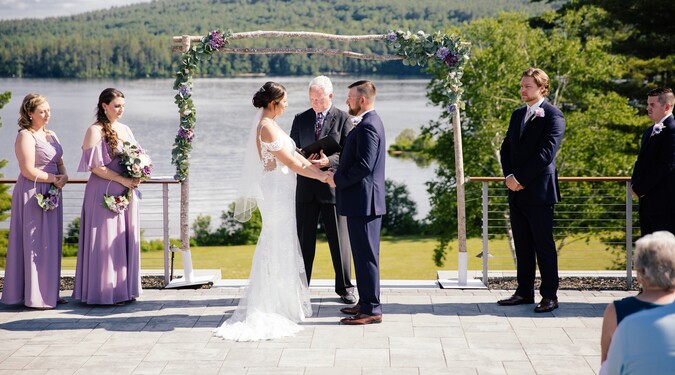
[654, 261]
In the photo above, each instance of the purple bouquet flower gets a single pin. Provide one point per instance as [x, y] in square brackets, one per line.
[391, 37]
[452, 108]
[186, 134]
[216, 40]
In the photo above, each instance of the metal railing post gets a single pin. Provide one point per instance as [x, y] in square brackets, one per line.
[485, 231]
[629, 237]
[165, 228]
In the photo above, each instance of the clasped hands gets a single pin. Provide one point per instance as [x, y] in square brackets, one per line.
[320, 160]
[60, 180]
[132, 183]
[513, 184]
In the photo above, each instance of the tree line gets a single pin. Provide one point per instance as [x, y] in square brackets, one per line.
[135, 41]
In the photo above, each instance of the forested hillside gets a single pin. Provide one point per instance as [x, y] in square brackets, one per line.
[135, 41]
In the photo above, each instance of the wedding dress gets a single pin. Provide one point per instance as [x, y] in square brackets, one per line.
[277, 295]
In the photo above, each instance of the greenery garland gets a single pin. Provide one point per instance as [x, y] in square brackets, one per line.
[438, 48]
[415, 49]
[197, 53]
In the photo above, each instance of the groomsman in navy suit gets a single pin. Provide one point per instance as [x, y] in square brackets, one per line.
[653, 179]
[528, 161]
[360, 194]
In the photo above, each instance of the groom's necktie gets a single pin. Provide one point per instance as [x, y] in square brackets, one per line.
[319, 123]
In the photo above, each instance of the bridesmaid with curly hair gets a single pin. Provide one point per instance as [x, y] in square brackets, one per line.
[33, 269]
[108, 259]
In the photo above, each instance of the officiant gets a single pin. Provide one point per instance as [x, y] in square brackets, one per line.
[314, 199]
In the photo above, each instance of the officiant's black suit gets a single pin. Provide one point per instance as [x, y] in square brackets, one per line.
[314, 197]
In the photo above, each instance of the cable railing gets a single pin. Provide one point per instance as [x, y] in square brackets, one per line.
[596, 218]
[160, 201]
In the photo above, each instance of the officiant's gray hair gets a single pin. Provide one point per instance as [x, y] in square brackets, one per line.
[322, 82]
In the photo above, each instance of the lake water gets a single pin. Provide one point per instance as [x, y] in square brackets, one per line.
[224, 113]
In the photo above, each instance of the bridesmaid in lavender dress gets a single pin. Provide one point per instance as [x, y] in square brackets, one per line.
[33, 269]
[108, 260]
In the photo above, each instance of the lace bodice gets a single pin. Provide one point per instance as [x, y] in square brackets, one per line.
[267, 158]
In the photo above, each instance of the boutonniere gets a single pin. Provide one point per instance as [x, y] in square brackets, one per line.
[356, 120]
[658, 128]
[539, 112]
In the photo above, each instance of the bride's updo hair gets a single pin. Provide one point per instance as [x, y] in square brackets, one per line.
[268, 93]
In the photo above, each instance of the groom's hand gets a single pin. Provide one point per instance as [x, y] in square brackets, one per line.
[330, 181]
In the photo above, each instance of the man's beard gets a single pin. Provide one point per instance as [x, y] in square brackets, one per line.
[355, 111]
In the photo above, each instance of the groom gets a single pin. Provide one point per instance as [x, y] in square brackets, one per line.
[360, 196]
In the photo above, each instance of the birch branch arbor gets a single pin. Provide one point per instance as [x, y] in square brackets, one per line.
[413, 49]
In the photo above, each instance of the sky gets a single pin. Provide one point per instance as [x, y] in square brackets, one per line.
[18, 9]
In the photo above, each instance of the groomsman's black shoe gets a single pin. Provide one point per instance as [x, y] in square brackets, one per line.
[546, 305]
[516, 300]
[348, 298]
[354, 310]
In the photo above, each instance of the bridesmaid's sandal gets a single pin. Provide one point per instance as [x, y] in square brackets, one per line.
[61, 301]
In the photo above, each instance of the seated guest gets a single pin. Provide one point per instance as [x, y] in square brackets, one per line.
[644, 343]
[655, 266]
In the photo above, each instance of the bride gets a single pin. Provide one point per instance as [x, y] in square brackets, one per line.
[277, 296]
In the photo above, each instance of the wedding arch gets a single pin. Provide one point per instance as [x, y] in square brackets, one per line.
[412, 48]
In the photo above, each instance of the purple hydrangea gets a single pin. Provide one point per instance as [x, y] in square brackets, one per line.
[184, 91]
[216, 40]
[442, 53]
[391, 37]
[452, 108]
[187, 134]
[451, 60]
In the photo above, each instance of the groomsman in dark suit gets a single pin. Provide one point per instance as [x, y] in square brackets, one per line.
[314, 197]
[653, 179]
[359, 181]
[528, 162]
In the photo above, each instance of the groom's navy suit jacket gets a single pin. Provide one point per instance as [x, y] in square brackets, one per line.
[653, 178]
[359, 178]
[531, 158]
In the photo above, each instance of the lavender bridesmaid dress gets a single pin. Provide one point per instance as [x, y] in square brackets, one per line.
[33, 269]
[109, 254]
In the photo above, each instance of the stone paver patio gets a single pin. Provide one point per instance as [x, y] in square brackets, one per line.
[426, 330]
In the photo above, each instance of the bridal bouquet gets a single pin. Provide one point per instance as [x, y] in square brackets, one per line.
[50, 200]
[136, 163]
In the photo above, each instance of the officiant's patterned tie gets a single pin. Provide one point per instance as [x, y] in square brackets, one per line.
[319, 123]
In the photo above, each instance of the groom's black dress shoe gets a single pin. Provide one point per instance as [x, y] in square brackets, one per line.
[354, 310]
[516, 300]
[546, 305]
[348, 298]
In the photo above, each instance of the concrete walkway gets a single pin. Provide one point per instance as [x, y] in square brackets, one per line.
[426, 330]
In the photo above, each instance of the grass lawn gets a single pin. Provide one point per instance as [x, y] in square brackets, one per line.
[408, 258]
